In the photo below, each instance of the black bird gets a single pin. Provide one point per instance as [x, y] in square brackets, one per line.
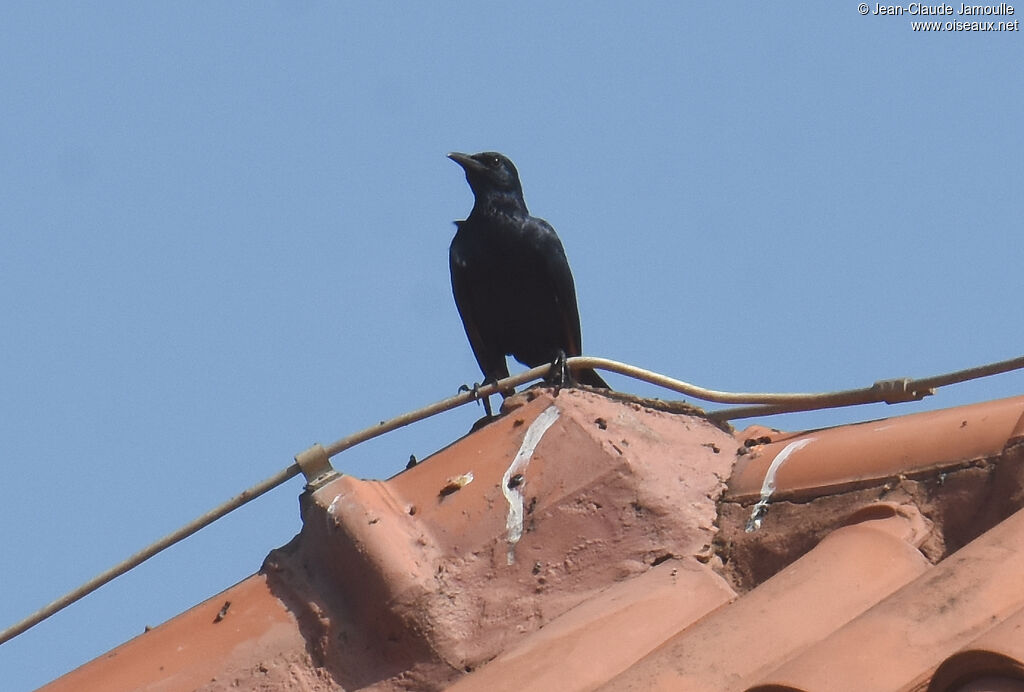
[510, 277]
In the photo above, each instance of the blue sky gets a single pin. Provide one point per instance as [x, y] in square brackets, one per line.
[225, 231]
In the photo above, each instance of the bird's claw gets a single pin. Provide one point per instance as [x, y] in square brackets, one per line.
[475, 389]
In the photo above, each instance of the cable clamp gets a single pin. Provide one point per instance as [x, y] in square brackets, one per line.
[316, 466]
[899, 390]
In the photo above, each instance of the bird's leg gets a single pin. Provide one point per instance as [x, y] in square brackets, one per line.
[486, 400]
[559, 374]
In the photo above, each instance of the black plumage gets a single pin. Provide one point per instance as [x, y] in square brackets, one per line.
[510, 276]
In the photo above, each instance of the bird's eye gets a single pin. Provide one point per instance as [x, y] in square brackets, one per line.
[495, 161]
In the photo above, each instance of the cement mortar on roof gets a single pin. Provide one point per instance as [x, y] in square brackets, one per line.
[422, 570]
[960, 502]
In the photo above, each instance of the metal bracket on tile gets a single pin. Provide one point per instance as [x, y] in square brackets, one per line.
[316, 466]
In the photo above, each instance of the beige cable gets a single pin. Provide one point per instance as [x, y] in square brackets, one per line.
[315, 461]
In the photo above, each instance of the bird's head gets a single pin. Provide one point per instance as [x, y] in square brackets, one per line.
[489, 171]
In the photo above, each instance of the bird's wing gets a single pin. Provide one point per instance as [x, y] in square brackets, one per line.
[492, 363]
[554, 266]
[563, 290]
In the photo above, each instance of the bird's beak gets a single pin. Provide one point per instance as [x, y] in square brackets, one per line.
[465, 160]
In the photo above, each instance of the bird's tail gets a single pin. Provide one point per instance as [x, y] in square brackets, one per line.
[590, 378]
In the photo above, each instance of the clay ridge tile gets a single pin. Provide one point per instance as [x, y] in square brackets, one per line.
[845, 456]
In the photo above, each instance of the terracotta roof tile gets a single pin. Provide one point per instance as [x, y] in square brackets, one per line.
[851, 570]
[996, 651]
[960, 467]
[584, 647]
[229, 635]
[581, 542]
[462, 564]
[849, 455]
[927, 621]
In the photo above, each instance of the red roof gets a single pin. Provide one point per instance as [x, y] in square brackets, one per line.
[582, 542]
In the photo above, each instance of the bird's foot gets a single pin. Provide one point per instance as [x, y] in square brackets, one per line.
[559, 375]
[475, 389]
